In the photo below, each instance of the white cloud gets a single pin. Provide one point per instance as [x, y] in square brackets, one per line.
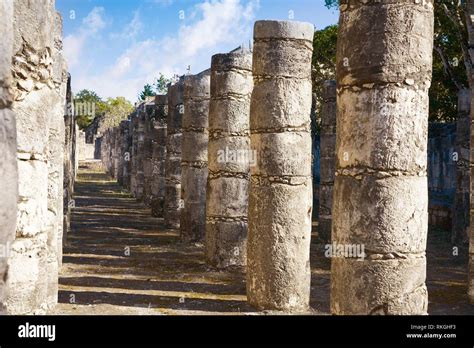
[217, 26]
[93, 22]
[132, 29]
[74, 43]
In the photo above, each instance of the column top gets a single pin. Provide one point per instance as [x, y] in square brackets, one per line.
[267, 29]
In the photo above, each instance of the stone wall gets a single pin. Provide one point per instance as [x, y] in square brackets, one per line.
[441, 174]
[461, 204]
[86, 150]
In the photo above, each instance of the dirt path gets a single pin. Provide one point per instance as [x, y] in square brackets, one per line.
[121, 260]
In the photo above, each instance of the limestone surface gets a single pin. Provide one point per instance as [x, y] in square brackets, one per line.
[380, 190]
[8, 157]
[228, 159]
[194, 156]
[280, 194]
[173, 204]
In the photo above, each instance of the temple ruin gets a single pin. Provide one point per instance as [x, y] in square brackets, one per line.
[201, 200]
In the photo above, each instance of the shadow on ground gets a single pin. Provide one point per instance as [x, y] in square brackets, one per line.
[121, 260]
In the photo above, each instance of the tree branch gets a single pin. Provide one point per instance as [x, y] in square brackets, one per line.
[447, 67]
[460, 28]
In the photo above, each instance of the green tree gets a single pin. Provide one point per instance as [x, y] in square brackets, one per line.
[116, 110]
[452, 63]
[87, 106]
[323, 66]
[161, 84]
[451, 60]
[147, 92]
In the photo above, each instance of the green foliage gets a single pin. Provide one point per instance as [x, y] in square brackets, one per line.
[161, 84]
[331, 3]
[87, 105]
[147, 92]
[116, 110]
[323, 66]
[449, 70]
[87, 95]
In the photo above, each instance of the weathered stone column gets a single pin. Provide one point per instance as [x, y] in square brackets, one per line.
[116, 153]
[194, 156]
[8, 158]
[380, 190]
[327, 160]
[39, 106]
[69, 159]
[55, 157]
[120, 156]
[159, 155]
[140, 153]
[173, 155]
[134, 152]
[111, 152]
[280, 196]
[461, 207]
[229, 159]
[149, 109]
[126, 153]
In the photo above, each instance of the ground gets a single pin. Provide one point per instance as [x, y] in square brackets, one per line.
[121, 260]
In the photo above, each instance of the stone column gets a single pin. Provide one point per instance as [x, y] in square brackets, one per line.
[8, 158]
[149, 109]
[327, 159]
[173, 155]
[461, 207]
[134, 154]
[380, 191]
[228, 157]
[126, 153]
[69, 159]
[116, 154]
[194, 156]
[39, 107]
[120, 151]
[111, 152]
[55, 157]
[159, 155]
[280, 196]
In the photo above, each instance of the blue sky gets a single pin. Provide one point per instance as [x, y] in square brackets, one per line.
[114, 47]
